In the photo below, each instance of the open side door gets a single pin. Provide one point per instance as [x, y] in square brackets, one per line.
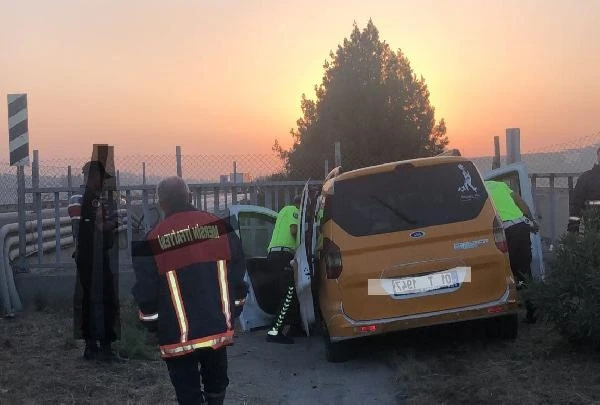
[302, 265]
[517, 178]
[254, 225]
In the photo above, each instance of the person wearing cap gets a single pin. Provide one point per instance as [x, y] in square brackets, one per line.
[586, 195]
[96, 298]
[281, 251]
[518, 223]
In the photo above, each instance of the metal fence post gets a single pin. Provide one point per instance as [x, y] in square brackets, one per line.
[552, 209]
[178, 157]
[144, 173]
[513, 145]
[22, 262]
[533, 179]
[496, 160]
[69, 180]
[37, 203]
[57, 226]
[571, 188]
[338, 154]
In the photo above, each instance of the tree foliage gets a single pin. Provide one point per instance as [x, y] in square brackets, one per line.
[371, 101]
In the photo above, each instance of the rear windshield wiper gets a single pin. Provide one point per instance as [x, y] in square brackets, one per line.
[394, 210]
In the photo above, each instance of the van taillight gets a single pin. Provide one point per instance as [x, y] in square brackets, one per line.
[333, 259]
[499, 236]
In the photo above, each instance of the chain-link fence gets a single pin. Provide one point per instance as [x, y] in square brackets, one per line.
[574, 156]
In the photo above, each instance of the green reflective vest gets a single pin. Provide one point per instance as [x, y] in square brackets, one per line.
[282, 237]
[501, 196]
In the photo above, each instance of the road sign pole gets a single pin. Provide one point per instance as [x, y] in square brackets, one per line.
[18, 145]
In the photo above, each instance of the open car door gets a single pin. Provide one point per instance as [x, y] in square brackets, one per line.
[517, 178]
[302, 264]
[254, 225]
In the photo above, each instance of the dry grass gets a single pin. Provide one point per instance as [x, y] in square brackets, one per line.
[461, 366]
[40, 363]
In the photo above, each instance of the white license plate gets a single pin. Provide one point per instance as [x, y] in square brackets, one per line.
[431, 282]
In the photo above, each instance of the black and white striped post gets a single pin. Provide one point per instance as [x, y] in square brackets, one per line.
[18, 145]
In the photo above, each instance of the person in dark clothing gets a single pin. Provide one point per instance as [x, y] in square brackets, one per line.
[96, 303]
[190, 289]
[586, 192]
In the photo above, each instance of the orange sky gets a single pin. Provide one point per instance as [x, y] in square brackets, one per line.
[227, 77]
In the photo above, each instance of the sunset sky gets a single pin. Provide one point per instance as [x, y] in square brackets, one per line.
[227, 77]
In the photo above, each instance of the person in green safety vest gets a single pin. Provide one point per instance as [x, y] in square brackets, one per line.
[518, 223]
[281, 251]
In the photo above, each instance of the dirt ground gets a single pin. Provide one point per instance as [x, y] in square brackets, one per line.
[41, 364]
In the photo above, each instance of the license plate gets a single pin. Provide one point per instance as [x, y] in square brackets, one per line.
[431, 282]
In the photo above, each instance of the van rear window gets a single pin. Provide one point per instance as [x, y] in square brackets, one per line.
[408, 198]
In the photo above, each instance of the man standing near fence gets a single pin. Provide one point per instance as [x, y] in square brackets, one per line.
[96, 301]
[586, 195]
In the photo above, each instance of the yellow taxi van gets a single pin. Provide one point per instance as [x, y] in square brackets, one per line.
[403, 245]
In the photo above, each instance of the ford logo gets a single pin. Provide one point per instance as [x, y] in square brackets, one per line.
[417, 234]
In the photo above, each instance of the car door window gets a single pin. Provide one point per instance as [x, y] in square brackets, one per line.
[512, 180]
[255, 231]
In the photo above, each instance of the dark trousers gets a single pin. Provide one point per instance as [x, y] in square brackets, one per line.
[519, 250]
[98, 306]
[289, 311]
[185, 372]
[519, 253]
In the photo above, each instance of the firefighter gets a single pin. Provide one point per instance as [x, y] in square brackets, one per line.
[189, 289]
[518, 223]
[96, 303]
[281, 251]
[586, 195]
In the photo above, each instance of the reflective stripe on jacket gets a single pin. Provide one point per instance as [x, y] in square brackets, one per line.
[189, 273]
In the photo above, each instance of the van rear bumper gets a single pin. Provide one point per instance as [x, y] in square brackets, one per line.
[341, 327]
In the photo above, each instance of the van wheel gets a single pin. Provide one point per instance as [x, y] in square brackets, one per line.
[335, 352]
[504, 327]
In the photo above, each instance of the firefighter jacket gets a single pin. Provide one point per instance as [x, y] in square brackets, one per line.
[586, 189]
[189, 279]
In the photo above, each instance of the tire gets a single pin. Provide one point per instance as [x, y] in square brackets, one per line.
[504, 327]
[335, 352]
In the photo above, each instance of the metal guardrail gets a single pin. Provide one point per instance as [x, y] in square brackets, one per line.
[140, 206]
[42, 240]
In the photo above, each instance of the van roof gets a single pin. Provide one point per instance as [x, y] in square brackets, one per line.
[386, 167]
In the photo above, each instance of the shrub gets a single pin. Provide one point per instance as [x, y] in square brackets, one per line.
[136, 342]
[569, 297]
